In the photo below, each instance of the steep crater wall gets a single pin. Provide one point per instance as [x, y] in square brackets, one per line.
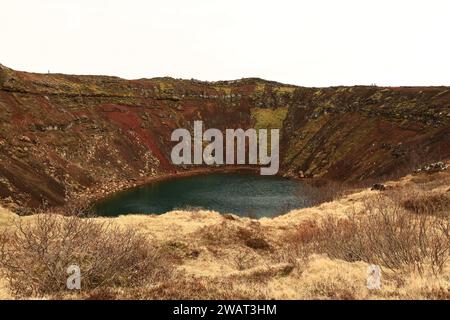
[64, 135]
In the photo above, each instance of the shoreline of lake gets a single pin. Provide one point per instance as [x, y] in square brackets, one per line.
[239, 192]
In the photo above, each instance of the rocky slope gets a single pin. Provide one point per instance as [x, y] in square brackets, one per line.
[62, 135]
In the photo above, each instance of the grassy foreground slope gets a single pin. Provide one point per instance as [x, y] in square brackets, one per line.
[321, 252]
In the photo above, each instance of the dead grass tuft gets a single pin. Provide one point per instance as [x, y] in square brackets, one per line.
[227, 233]
[198, 288]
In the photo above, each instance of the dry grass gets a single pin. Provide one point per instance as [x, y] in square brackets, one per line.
[191, 288]
[314, 253]
[227, 233]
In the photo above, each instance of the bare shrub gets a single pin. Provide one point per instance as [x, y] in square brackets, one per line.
[304, 233]
[297, 245]
[428, 203]
[388, 235]
[35, 256]
[385, 233]
[244, 259]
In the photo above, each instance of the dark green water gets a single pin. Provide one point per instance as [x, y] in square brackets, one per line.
[242, 194]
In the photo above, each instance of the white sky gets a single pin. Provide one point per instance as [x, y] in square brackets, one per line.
[310, 43]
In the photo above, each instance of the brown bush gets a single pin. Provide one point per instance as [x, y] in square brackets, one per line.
[36, 255]
[304, 233]
[253, 239]
[385, 234]
[428, 203]
[297, 246]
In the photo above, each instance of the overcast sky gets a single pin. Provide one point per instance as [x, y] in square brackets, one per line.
[309, 43]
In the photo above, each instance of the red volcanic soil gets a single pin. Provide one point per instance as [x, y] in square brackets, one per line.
[131, 125]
